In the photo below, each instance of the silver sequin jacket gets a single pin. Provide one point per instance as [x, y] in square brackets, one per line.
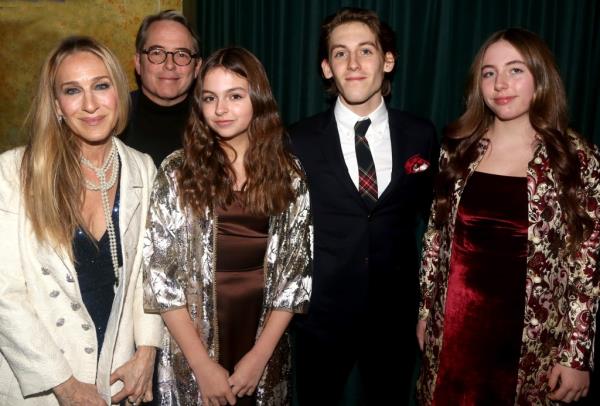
[179, 272]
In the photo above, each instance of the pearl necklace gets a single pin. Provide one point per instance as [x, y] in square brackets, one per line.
[103, 186]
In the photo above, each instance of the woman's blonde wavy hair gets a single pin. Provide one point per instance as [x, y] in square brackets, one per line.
[51, 178]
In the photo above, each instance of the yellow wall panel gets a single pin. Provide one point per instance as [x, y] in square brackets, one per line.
[30, 29]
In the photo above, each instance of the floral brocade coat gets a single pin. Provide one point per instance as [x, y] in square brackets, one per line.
[561, 294]
[179, 272]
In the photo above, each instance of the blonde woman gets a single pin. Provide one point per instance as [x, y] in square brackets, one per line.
[72, 205]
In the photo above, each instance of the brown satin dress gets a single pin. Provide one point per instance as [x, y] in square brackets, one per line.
[483, 320]
[241, 245]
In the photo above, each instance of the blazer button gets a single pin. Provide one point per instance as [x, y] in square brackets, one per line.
[88, 350]
[367, 260]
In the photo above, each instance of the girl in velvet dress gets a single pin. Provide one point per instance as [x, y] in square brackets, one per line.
[229, 244]
[509, 282]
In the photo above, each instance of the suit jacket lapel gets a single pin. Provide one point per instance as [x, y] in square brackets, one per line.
[397, 166]
[332, 149]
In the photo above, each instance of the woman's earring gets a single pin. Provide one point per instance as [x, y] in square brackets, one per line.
[60, 119]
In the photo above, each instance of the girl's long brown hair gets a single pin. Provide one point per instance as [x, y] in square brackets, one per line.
[206, 177]
[548, 116]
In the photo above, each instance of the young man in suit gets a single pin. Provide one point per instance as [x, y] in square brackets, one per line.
[370, 171]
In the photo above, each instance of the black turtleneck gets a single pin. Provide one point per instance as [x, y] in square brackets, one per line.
[153, 129]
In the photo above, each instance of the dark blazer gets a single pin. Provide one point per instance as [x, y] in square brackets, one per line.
[366, 262]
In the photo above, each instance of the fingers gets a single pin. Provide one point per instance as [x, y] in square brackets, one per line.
[135, 400]
[217, 401]
[137, 394]
[553, 379]
[421, 341]
[116, 376]
[241, 390]
[227, 399]
[230, 398]
[421, 325]
[577, 395]
[568, 396]
[119, 396]
[134, 393]
[148, 397]
[559, 394]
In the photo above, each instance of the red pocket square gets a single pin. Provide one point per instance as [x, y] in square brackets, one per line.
[416, 164]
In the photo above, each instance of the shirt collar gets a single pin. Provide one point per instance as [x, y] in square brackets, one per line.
[346, 118]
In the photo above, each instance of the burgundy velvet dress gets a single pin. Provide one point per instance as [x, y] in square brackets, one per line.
[483, 320]
[241, 244]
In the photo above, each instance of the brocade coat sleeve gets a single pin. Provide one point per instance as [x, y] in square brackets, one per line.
[430, 259]
[583, 286]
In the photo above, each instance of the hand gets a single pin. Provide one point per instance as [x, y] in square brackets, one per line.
[247, 374]
[75, 393]
[574, 384]
[213, 385]
[136, 375]
[421, 324]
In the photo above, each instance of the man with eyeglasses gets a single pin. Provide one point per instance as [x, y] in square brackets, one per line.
[167, 63]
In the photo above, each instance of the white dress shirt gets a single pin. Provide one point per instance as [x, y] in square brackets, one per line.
[378, 136]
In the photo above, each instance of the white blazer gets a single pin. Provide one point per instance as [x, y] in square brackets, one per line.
[46, 333]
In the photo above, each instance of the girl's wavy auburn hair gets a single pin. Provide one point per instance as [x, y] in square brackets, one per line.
[548, 116]
[206, 178]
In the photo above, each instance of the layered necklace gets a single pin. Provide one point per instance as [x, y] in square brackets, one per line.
[104, 185]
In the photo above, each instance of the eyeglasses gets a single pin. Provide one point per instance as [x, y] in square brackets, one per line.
[159, 55]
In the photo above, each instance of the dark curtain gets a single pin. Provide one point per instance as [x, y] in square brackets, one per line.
[436, 42]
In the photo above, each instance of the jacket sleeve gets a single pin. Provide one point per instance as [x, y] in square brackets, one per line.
[147, 327]
[164, 287]
[27, 346]
[583, 289]
[294, 254]
[430, 257]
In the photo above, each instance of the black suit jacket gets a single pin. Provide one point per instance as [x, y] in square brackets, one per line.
[366, 262]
